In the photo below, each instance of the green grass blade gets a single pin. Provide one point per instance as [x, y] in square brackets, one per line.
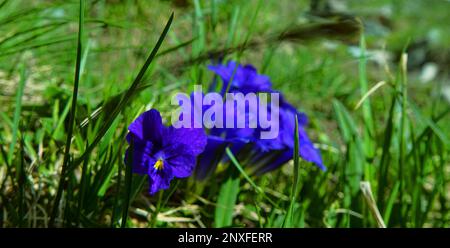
[36, 45]
[226, 201]
[199, 29]
[127, 96]
[241, 170]
[354, 166]
[117, 197]
[82, 192]
[385, 154]
[247, 177]
[128, 180]
[369, 127]
[8, 167]
[288, 219]
[16, 118]
[3, 3]
[390, 203]
[21, 184]
[402, 133]
[250, 29]
[71, 116]
[233, 27]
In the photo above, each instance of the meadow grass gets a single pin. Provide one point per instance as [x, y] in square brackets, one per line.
[75, 74]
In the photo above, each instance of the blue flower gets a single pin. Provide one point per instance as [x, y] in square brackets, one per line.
[247, 80]
[163, 152]
[244, 78]
[262, 155]
[269, 160]
[269, 154]
[210, 158]
[307, 151]
[218, 138]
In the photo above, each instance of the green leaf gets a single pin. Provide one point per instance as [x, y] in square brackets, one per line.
[71, 121]
[128, 184]
[226, 201]
[369, 127]
[288, 219]
[355, 151]
[18, 104]
[247, 177]
[126, 98]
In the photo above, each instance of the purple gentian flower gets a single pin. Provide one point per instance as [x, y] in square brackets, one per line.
[269, 154]
[244, 78]
[263, 155]
[163, 152]
[307, 151]
[271, 160]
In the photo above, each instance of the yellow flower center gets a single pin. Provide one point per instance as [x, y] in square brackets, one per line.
[159, 165]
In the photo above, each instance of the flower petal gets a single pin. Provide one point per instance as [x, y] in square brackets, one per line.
[182, 165]
[159, 179]
[243, 79]
[141, 158]
[208, 160]
[272, 160]
[225, 72]
[308, 152]
[148, 126]
[194, 139]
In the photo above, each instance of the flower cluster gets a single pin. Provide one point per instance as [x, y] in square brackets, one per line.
[262, 155]
[164, 153]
